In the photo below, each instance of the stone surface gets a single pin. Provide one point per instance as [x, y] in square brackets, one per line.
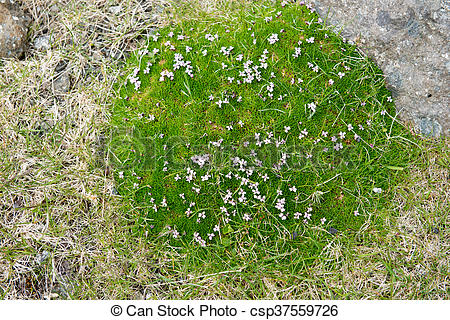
[13, 29]
[409, 40]
[42, 43]
[61, 84]
[115, 9]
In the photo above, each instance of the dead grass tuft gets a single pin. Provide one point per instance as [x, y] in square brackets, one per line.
[55, 202]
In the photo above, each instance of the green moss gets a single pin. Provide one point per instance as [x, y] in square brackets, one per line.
[150, 153]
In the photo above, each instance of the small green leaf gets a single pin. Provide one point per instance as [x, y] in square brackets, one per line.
[226, 242]
[227, 229]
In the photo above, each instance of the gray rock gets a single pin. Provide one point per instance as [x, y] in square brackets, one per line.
[158, 8]
[429, 127]
[13, 30]
[42, 43]
[54, 8]
[115, 9]
[61, 65]
[61, 84]
[409, 40]
[41, 257]
[333, 230]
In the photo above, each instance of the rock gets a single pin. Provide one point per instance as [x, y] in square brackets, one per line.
[429, 127]
[61, 84]
[333, 230]
[54, 8]
[41, 257]
[61, 65]
[115, 9]
[409, 40]
[158, 8]
[42, 43]
[13, 30]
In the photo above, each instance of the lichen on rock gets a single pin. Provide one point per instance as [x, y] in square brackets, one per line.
[13, 29]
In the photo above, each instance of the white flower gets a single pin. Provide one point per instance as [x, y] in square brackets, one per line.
[273, 38]
[211, 37]
[338, 146]
[302, 134]
[297, 53]
[377, 190]
[312, 106]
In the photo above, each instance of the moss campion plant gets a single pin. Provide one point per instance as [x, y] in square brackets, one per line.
[256, 126]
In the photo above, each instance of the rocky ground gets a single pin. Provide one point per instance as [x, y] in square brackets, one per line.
[409, 40]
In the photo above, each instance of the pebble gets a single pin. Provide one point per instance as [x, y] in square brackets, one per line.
[42, 43]
[332, 230]
[41, 257]
[115, 9]
[61, 84]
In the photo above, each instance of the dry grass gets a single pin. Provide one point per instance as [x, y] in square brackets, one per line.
[53, 198]
[412, 260]
[62, 234]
